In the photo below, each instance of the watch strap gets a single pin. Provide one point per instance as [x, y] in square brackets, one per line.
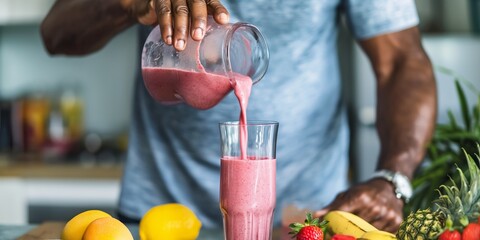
[387, 175]
[391, 177]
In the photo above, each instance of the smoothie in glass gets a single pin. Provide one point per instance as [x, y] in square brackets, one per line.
[247, 197]
[247, 184]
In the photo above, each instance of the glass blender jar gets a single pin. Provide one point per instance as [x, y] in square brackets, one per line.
[203, 74]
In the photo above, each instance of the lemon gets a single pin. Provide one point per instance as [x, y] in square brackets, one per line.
[172, 221]
[107, 228]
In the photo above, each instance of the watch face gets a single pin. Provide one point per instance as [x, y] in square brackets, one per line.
[403, 186]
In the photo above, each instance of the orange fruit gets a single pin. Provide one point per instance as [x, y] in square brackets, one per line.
[107, 228]
[75, 228]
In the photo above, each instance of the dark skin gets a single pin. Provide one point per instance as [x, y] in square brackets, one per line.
[78, 27]
[406, 90]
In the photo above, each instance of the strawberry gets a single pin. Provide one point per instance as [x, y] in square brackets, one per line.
[471, 232]
[342, 237]
[312, 229]
[450, 235]
[310, 233]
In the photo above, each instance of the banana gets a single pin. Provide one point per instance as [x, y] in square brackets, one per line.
[377, 235]
[340, 222]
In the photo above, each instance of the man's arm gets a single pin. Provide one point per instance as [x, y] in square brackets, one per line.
[406, 99]
[406, 112]
[78, 27]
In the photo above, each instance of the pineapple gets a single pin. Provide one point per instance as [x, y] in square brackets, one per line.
[422, 224]
[456, 205]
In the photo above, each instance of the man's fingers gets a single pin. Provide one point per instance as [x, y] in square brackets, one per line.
[340, 203]
[180, 23]
[176, 17]
[198, 13]
[393, 222]
[374, 215]
[163, 10]
[218, 11]
[322, 212]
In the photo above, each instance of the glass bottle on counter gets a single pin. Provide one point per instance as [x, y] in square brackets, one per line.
[35, 114]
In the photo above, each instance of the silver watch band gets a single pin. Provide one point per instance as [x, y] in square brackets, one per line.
[387, 175]
[402, 185]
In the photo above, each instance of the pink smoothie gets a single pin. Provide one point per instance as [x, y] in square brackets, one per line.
[200, 90]
[247, 197]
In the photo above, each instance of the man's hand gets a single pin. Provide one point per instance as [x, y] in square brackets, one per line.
[178, 18]
[374, 201]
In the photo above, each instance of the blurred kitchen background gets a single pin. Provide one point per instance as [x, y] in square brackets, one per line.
[64, 120]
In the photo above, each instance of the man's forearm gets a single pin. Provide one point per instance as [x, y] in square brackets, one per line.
[406, 114]
[77, 27]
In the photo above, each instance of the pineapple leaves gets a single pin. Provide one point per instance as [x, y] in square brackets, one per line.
[463, 181]
[474, 173]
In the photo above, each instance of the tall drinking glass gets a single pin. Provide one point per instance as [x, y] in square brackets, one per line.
[247, 184]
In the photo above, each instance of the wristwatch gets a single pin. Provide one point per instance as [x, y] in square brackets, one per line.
[403, 188]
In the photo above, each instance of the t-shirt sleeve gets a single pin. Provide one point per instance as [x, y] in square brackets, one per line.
[369, 18]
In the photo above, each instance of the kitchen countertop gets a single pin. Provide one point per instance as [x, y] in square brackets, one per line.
[35, 168]
[13, 232]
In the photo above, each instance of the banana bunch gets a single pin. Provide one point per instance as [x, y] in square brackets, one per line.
[340, 222]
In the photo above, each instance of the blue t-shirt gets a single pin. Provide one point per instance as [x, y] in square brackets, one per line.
[174, 151]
